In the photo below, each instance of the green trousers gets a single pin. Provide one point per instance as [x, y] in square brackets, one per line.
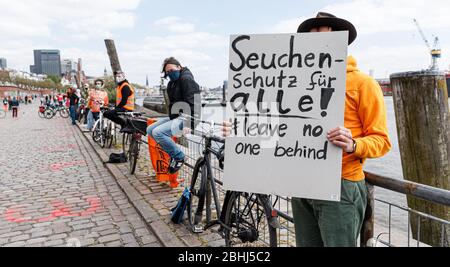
[331, 224]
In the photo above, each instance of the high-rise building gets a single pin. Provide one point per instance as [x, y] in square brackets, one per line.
[69, 65]
[47, 62]
[3, 63]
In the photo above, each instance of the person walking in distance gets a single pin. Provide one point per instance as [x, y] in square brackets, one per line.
[15, 107]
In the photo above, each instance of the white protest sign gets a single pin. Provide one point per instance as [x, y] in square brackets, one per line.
[286, 91]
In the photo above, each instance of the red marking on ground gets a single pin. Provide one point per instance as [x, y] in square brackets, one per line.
[59, 166]
[61, 210]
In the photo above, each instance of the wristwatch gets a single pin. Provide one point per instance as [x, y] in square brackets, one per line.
[354, 146]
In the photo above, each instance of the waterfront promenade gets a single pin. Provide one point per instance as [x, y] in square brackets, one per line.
[56, 191]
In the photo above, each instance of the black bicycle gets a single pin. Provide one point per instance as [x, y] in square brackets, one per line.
[51, 111]
[132, 137]
[245, 218]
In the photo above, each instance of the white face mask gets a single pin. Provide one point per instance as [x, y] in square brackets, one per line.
[120, 78]
[98, 86]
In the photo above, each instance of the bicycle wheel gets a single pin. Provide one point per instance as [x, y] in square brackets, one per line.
[247, 223]
[82, 117]
[126, 142]
[109, 136]
[197, 200]
[103, 130]
[64, 113]
[133, 154]
[96, 132]
[41, 114]
[49, 114]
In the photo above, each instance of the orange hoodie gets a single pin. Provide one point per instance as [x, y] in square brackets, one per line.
[365, 116]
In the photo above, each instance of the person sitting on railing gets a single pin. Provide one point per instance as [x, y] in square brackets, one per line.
[182, 90]
[125, 99]
[365, 135]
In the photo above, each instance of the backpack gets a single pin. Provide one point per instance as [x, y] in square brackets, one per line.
[179, 210]
[117, 158]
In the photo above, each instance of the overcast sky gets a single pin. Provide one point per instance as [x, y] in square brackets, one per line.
[197, 32]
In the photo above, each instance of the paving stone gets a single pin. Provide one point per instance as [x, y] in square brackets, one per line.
[109, 238]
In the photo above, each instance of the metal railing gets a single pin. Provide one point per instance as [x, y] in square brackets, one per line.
[193, 146]
[419, 191]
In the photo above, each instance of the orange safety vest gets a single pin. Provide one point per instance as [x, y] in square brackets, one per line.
[130, 102]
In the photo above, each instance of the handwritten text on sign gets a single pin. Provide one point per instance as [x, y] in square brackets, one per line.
[286, 91]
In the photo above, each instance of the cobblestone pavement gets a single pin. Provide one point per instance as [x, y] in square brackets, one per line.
[154, 200]
[55, 190]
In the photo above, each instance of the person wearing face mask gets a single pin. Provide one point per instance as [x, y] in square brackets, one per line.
[125, 99]
[182, 90]
[364, 135]
[97, 98]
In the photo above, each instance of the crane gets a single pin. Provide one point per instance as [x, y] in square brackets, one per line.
[435, 51]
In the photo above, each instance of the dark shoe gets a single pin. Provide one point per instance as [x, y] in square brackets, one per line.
[175, 165]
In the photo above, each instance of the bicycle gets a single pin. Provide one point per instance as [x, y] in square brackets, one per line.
[51, 111]
[102, 130]
[42, 110]
[243, 217]
[132, 137]
[81, 112]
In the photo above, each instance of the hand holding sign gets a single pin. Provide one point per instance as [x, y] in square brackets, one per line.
[343, 138]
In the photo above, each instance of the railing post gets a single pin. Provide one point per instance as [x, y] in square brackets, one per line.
[367, 231]
[422, 112]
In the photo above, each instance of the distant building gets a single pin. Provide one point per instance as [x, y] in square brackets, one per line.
[385, 85]
[32, 69]
[68, 66]
[47, 62]
[3, 63]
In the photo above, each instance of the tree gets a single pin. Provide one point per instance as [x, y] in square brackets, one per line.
[110, 87]
[55, 79]
[4, 76]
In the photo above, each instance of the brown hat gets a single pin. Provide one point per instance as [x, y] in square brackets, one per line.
[326, 19]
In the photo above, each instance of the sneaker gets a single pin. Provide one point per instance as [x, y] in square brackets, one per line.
[175, 165]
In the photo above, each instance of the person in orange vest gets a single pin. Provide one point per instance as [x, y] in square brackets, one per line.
[125, 99]
[97, 98]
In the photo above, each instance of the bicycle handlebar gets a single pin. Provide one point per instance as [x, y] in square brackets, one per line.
[211, 123]
[131, 114]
